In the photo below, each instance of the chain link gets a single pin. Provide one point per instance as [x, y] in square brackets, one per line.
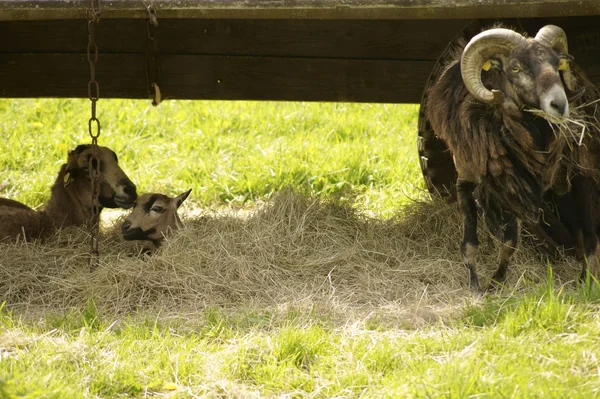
[152, 59]
[94, 132]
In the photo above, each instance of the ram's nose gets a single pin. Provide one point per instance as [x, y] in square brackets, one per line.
[561, 106]
[555, 102]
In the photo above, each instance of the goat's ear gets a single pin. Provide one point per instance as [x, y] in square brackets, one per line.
[67, 179]
[182, 197]
[72, 161]
[73, 157]
[565, 60]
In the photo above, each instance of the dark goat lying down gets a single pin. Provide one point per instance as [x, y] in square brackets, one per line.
[70, 201]
[507, 158]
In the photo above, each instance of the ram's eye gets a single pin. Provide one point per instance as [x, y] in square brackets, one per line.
[516, 70]
[157, 209]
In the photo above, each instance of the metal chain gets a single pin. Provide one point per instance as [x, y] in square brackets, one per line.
[152, 59]
[94, 162]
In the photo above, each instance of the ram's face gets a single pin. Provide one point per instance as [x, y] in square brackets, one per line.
[532, 79]
[500, 66]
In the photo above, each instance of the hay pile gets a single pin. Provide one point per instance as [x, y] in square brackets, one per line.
[292, 251]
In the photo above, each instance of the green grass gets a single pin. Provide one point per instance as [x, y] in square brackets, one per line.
[544, 343]
[228, 152]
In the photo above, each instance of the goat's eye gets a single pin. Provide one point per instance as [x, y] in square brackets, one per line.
[516, 70]
[157, 209]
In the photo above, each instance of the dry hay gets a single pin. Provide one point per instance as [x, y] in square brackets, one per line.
[292, 251]
[580, 132]
[581, 123]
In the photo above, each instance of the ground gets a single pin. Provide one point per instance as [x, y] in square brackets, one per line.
[312, 264]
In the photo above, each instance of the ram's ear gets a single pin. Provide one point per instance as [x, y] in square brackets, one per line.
[491, 63]
[565, 61]
[573, 82]
[182, 197]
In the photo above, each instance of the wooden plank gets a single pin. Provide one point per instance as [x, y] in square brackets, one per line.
[302, 48]
[583, 33]
[417, 40]
[303, 9]
[217, 77]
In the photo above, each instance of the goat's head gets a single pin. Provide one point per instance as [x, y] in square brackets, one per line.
[527, 72]
[153, 215]
[116, 190]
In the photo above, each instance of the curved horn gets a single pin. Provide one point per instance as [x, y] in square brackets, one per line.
[480, 49]
[553, 37]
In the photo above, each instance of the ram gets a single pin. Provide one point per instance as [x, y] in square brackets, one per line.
[506, 157]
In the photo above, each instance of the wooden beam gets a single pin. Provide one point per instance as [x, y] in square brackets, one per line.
[217, 77]
[396, 40]
[336, 60]
[302, 9]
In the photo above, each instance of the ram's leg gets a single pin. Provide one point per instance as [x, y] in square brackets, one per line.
[582, 192]
[470, 243]
[509, 245]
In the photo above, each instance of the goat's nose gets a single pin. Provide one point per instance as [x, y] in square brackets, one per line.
[130, 190]
[559, 105]
[126, 226]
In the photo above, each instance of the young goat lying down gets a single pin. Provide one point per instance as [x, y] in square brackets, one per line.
[152, 217]
[70, 201]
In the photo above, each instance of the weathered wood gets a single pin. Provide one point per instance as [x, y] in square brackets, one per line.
[416, 40]
[341, 60]
[303, 9]
[395, 40]
[216, 77]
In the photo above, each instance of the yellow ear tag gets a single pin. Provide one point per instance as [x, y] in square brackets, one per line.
[563, 64]
[67, 179]
[487, 65]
